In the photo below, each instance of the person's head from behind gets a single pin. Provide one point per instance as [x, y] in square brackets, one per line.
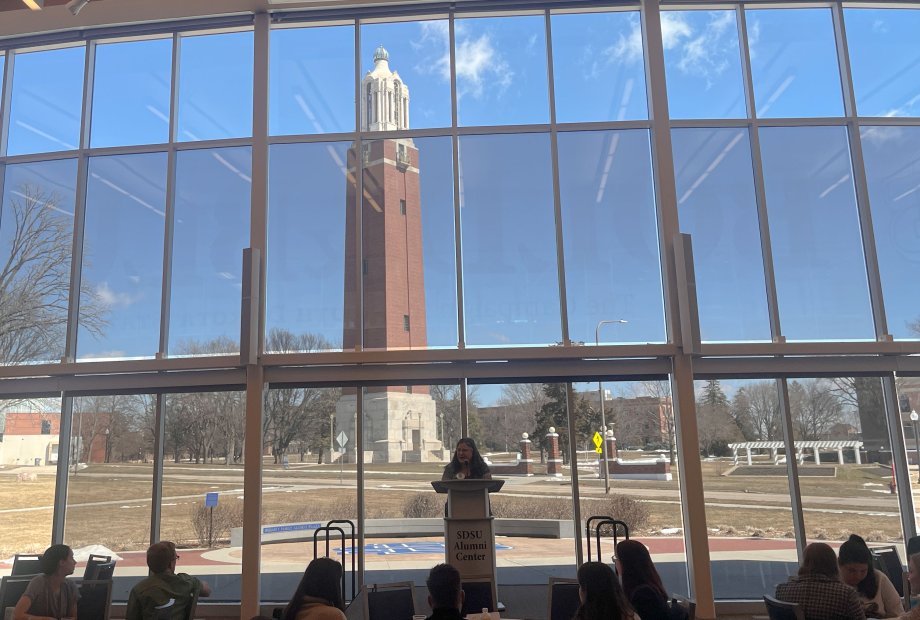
[636, 567]
[161, 557]
[444, 587]
[601, 596]
[819, 560]
[322, 580]
[57, 560]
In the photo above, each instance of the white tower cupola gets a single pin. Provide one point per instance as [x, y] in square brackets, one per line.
[384, 97]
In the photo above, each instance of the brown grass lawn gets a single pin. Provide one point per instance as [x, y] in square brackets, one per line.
[123, 521]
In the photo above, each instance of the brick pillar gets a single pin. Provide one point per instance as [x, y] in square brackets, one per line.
[611, 447]
[554, 456]
[526, 466]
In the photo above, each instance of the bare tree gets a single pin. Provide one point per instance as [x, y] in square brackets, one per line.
[814, 407]
[297, 414]
[447, 408]
[35, 279]
[766, 420]
[521, 404]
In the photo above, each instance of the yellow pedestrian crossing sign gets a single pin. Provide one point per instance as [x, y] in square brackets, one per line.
[598, 440]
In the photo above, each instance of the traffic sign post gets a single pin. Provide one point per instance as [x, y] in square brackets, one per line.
[599, 447]
[210, 501]
[342, 440]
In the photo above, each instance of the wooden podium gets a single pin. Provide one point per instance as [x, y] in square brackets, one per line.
[469, 538]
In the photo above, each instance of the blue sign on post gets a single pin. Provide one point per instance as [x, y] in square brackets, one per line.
[210, 500]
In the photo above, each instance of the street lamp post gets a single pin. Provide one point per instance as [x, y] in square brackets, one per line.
[913, 420]
[600, 394]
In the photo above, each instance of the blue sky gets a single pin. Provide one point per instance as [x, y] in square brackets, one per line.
[608, 218]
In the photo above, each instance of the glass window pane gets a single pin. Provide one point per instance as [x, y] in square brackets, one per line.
[510, 281]
[855, 469]
[501, 71]
[717, 206]
[36, 242]
[203, 448]
[642, 458]
[215, 86]
[123, 256]
[794, 63]
[748, 500]
[598, 67]
[814, 230]
[111, 461]
[131, 93]
[893, 177]
[703, 64]
[301, 426]
[312, 80]
[409, 268]
[418, 54]
[884, 49]
[211, 230]
[498, 415]
[610, 233]
[46, 101]
[31, 431]
[306, 233]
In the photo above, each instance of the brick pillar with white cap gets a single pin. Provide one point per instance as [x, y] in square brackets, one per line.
[554, 456]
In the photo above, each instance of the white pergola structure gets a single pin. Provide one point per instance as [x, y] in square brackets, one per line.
[800, 447]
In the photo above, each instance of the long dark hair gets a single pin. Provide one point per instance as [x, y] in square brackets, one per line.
[478, 467]
[604, 598]
[856, 551]
[638, 568]
[323, 580]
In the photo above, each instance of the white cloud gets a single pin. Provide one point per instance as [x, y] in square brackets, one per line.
[628, 47]
[226, 275]
[674, 28]
[880, 26]
[880, 134]
[114, 299]
[480, 66]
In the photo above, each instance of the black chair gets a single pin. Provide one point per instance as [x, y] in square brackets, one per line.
[887, 560]
[389, 601]
[563, 599]
[781, 610]
[687, 605]
[90, 572]
[95, 599]
[26, 564]
[477, 596]
[11, 590]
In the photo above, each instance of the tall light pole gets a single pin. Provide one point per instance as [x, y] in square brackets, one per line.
[913, 422]
[600, 394]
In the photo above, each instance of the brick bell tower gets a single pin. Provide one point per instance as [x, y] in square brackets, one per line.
[400, 422]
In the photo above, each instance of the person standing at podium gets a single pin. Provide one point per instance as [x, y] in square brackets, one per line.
[467, 463]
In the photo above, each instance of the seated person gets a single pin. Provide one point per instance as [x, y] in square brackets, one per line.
[445, 596]
[913, 576]
[641, 581]
[817, 588]
[319, 594]
[49, 596]
[602, 597]
[163, 585]
[876, 592]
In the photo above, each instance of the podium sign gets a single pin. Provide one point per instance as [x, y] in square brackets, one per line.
[469, 538]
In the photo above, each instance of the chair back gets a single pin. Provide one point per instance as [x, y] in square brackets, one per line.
[477, 595]
[11, 589]
[781, 610]
[682, 607]
[563, 599]
[26, 564]
[95, 599]
[389, 601]
[90, 572]
[887, 560]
